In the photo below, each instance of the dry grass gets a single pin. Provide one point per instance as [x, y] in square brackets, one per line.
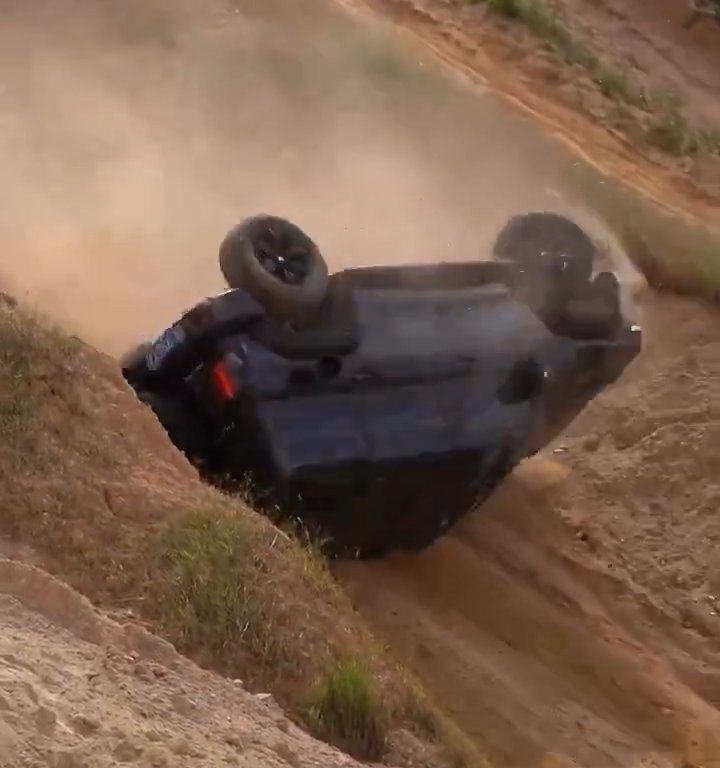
[660, 116]
[346, 710]
[90, 481]
[208, 585]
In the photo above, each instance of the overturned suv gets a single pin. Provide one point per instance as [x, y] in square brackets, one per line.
[379, 404]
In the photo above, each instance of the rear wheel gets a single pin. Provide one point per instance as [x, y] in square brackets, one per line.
[557, 259]
[547, 246]
[277, 263]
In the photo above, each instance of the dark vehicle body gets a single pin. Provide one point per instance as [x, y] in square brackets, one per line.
[405, 401]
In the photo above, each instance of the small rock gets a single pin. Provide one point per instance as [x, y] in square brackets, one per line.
[159, 671]
[560, 449]
[591, 443]
[180, 746]
[84, 724]
[235, 741]
[157, 757]
[286, 753]
[266, 697]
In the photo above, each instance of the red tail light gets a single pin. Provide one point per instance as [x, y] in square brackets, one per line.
[222, 381]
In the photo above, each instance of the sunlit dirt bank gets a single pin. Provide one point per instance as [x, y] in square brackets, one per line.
[574, 614]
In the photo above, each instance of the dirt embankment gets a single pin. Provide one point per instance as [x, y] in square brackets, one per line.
[78, 690]
[584, 74]
[92, 492]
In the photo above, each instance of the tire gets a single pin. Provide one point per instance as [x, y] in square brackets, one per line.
[276, 263]
[547, 246]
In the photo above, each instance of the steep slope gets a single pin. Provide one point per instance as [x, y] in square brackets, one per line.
[79, 690]
[92, 491]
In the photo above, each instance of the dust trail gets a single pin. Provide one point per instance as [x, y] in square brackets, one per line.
[130, 141]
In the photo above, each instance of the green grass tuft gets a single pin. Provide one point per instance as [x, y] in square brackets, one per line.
[207, 584]
[668, 130]
[15, 396]
[27, 341]
[511, 9]
[345, 710]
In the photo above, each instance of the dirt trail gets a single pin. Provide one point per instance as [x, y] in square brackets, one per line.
[576, 612]
[80, 690]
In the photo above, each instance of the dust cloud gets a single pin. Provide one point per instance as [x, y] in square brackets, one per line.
[133, 136]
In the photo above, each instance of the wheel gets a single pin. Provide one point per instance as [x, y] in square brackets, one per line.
[277, 263]
[547, 245]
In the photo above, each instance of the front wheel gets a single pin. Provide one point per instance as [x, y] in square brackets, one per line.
[277, 263]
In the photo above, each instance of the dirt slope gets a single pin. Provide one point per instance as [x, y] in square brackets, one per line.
[640, 44]
[93, 492]
[576, 612]
[79, 690]
[650, 40]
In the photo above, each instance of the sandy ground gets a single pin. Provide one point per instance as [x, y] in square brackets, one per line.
[80, 690]
[573, 615]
